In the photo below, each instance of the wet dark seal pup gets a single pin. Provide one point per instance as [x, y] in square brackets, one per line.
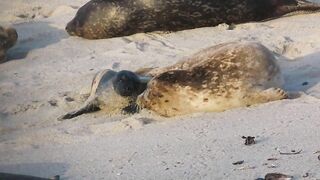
[99, 19]
[112, 92]
[8, 38]
[215, 79]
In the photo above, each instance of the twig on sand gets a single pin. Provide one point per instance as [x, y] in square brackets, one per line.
[245, 168]
[293, 152]
[317, 152]
[277, 176]
[238, 162]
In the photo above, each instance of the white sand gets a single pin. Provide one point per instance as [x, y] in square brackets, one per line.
[48, 65]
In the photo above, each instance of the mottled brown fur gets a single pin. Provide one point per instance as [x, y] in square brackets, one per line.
[8, 38]
[215, 79]
[99, 19]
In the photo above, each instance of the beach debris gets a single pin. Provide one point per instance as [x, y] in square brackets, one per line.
[8, 176]
[53, 102]
[277, 176]
[273, 166]
[305, 175]
[245, 168]
[317, 152]
[238, 162]
[249, 140]
[272, 159]
[68, 99]
[293, 152]
[319, 157]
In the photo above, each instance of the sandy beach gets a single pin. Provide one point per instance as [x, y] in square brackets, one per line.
[49, 73]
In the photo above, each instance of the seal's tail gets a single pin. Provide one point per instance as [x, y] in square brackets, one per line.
[301, 7]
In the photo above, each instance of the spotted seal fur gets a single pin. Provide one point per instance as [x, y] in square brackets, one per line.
[99, 19]
[215, 79]
[8, 38]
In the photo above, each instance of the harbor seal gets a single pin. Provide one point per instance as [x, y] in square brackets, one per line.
[112, 92]
[100, 19]
[218, 78]
[215, 79]
[8, 38]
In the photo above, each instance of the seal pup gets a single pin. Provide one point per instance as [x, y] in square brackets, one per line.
[112, 92]
[8, 38]
[215, 79]
[100, 19]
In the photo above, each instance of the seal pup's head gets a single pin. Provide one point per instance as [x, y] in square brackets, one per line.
[127, 83]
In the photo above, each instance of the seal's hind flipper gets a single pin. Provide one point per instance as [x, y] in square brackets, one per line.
[302, 7]
[90, 106]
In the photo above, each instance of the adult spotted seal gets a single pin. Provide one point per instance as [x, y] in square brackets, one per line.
[8, 38]
[215, 79]
[99, 19]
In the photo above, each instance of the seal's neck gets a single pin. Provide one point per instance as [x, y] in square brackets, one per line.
[143, 83]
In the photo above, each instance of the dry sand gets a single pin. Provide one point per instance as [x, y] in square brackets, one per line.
[49, 73]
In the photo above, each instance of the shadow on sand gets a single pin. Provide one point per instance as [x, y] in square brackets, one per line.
[44, 170]
[34, 35]
[302, 74]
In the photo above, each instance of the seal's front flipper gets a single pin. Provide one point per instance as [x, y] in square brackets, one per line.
[91, 106]
[131, 109]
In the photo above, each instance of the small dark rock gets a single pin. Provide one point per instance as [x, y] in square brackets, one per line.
[53, 102]
[69, 99]
[305, 83]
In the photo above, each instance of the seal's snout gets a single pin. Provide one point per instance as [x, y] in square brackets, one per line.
[71, 28]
